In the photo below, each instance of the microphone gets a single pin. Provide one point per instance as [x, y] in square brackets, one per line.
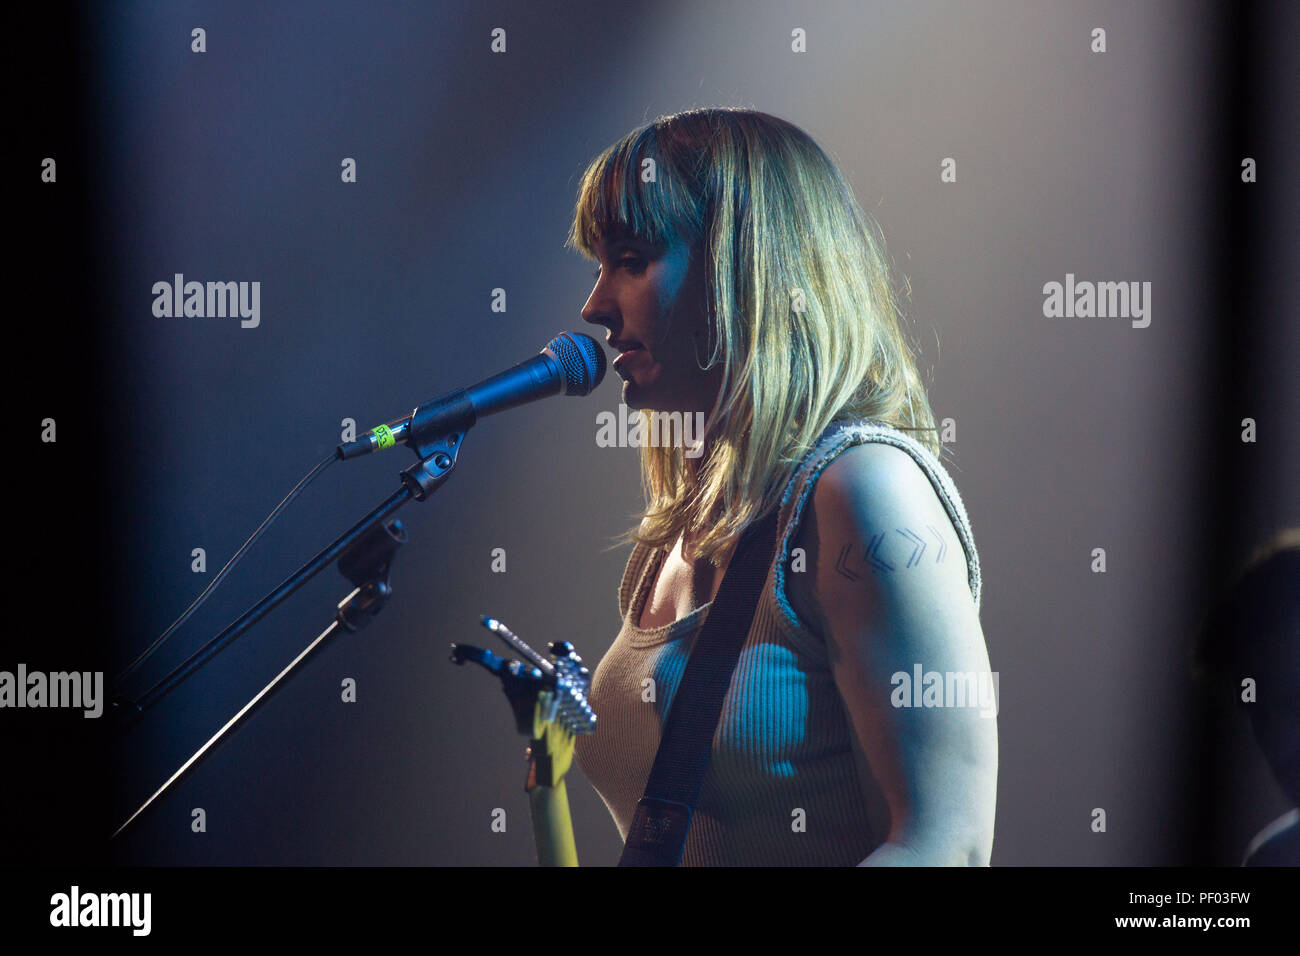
[571, 363]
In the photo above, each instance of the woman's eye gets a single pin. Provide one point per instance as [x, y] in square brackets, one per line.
[634, 264]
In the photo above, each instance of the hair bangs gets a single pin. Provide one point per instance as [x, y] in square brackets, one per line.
[616, 200]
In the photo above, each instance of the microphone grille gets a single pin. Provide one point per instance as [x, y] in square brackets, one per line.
[582, 359]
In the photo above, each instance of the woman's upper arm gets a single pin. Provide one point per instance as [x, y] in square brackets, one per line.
[889, 590]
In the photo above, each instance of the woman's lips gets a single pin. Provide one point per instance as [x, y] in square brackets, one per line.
[628, 356]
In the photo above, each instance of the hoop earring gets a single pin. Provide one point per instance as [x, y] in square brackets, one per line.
[695, 341]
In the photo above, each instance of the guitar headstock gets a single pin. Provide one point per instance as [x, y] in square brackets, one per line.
[544, 691]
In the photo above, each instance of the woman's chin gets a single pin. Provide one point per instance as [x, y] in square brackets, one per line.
[639, 395]
[634, 396]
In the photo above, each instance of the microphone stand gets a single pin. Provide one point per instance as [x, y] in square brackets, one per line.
[365, 554]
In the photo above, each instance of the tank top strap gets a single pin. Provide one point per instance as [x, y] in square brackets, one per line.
[633, 572]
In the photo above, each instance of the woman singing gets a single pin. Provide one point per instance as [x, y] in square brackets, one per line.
[740, 279]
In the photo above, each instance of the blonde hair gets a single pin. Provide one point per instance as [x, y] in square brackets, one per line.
[774, 216]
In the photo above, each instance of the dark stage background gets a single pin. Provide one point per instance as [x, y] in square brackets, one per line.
[175, 434]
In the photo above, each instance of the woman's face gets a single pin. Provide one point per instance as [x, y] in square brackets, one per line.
[652, 301]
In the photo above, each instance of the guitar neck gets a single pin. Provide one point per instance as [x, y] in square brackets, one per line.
[552, 825]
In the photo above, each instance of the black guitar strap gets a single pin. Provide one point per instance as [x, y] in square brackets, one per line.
[657, 836]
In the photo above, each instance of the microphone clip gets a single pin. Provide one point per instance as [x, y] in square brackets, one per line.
[437, 459]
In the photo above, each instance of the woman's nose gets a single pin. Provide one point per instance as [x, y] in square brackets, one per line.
[597, 308]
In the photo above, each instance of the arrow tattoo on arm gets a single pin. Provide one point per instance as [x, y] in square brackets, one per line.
[909, 547]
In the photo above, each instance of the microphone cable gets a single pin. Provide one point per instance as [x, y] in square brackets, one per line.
[221, 575]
